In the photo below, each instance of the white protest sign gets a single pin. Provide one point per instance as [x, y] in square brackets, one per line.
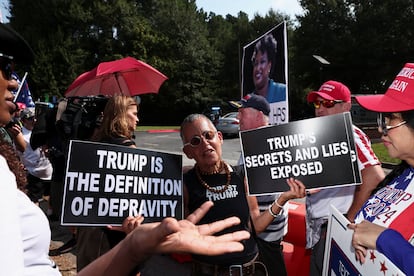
[279, 113]
[339, 256]
[105, 183]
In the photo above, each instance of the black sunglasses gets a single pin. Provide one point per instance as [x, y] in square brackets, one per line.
[326, 103]
[196, 140]
[6, 66]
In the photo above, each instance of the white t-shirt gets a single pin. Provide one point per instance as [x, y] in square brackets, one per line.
[24, 234]
[341, 198]
[317, 205]
[35, 161]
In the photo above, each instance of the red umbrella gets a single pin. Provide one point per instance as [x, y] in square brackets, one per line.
[127, 76]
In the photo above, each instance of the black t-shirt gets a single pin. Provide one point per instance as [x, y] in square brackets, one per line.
[232, 202]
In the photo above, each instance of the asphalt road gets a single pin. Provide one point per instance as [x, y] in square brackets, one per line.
[170, 142]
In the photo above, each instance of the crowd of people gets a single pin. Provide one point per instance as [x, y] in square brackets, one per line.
[226, 230]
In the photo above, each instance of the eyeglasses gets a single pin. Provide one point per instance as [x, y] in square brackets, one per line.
[196, 140]
[326, 103]
[6, 66]
[383, 121]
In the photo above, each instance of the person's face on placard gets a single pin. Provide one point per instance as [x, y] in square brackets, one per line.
[132, 115]
[261, 70]
[7, 107]
[207, 152]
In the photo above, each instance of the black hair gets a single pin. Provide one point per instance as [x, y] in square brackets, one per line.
[407, 116]
[267, 44]
[14, 163]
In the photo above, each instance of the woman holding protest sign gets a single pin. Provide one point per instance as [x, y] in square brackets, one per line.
[392, 204]
[119, 121]
[212, 179]
[120, 118]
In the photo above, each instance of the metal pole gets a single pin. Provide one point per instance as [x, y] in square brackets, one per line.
[20, 87]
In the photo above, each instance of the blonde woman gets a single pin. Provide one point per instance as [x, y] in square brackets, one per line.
[120, 118]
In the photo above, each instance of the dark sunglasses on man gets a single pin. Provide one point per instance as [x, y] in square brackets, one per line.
[196, 140]
[6, 66]
[326, 103]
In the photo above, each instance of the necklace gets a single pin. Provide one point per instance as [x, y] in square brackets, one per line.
[215, 189]
[217, 169]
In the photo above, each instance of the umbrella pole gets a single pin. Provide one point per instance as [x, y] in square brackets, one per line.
[117, 82]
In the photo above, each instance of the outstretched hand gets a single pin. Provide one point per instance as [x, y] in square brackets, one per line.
[168, 236]
[184, 236]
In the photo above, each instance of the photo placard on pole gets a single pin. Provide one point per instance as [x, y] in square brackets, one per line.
[274, 45]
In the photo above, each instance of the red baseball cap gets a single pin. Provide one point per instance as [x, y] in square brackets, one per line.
[331, 90]
[398, 97]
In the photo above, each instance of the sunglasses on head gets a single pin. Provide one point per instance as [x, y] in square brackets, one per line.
[383, 121]
[6, 66]
[196, 140]
[326, 103]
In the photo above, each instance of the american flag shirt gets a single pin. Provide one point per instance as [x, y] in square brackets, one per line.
[393, 205]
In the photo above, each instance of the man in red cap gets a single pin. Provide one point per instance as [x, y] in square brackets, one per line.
[332, 98]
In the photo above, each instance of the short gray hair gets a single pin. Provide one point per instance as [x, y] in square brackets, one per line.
[190, 119]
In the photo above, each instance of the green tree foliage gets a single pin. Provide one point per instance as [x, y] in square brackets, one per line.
[191, 62]
[366, 43]
[70, 37]
[384, 39]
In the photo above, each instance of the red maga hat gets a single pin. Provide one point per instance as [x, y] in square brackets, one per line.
[398, 97]
[331, 90]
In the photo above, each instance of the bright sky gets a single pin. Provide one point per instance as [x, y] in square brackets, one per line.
[3, 9]
[224, 7]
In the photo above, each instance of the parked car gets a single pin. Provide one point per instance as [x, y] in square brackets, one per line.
[229, 124]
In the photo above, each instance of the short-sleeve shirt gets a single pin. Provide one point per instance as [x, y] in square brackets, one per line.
[317, 205]
[392, 206]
